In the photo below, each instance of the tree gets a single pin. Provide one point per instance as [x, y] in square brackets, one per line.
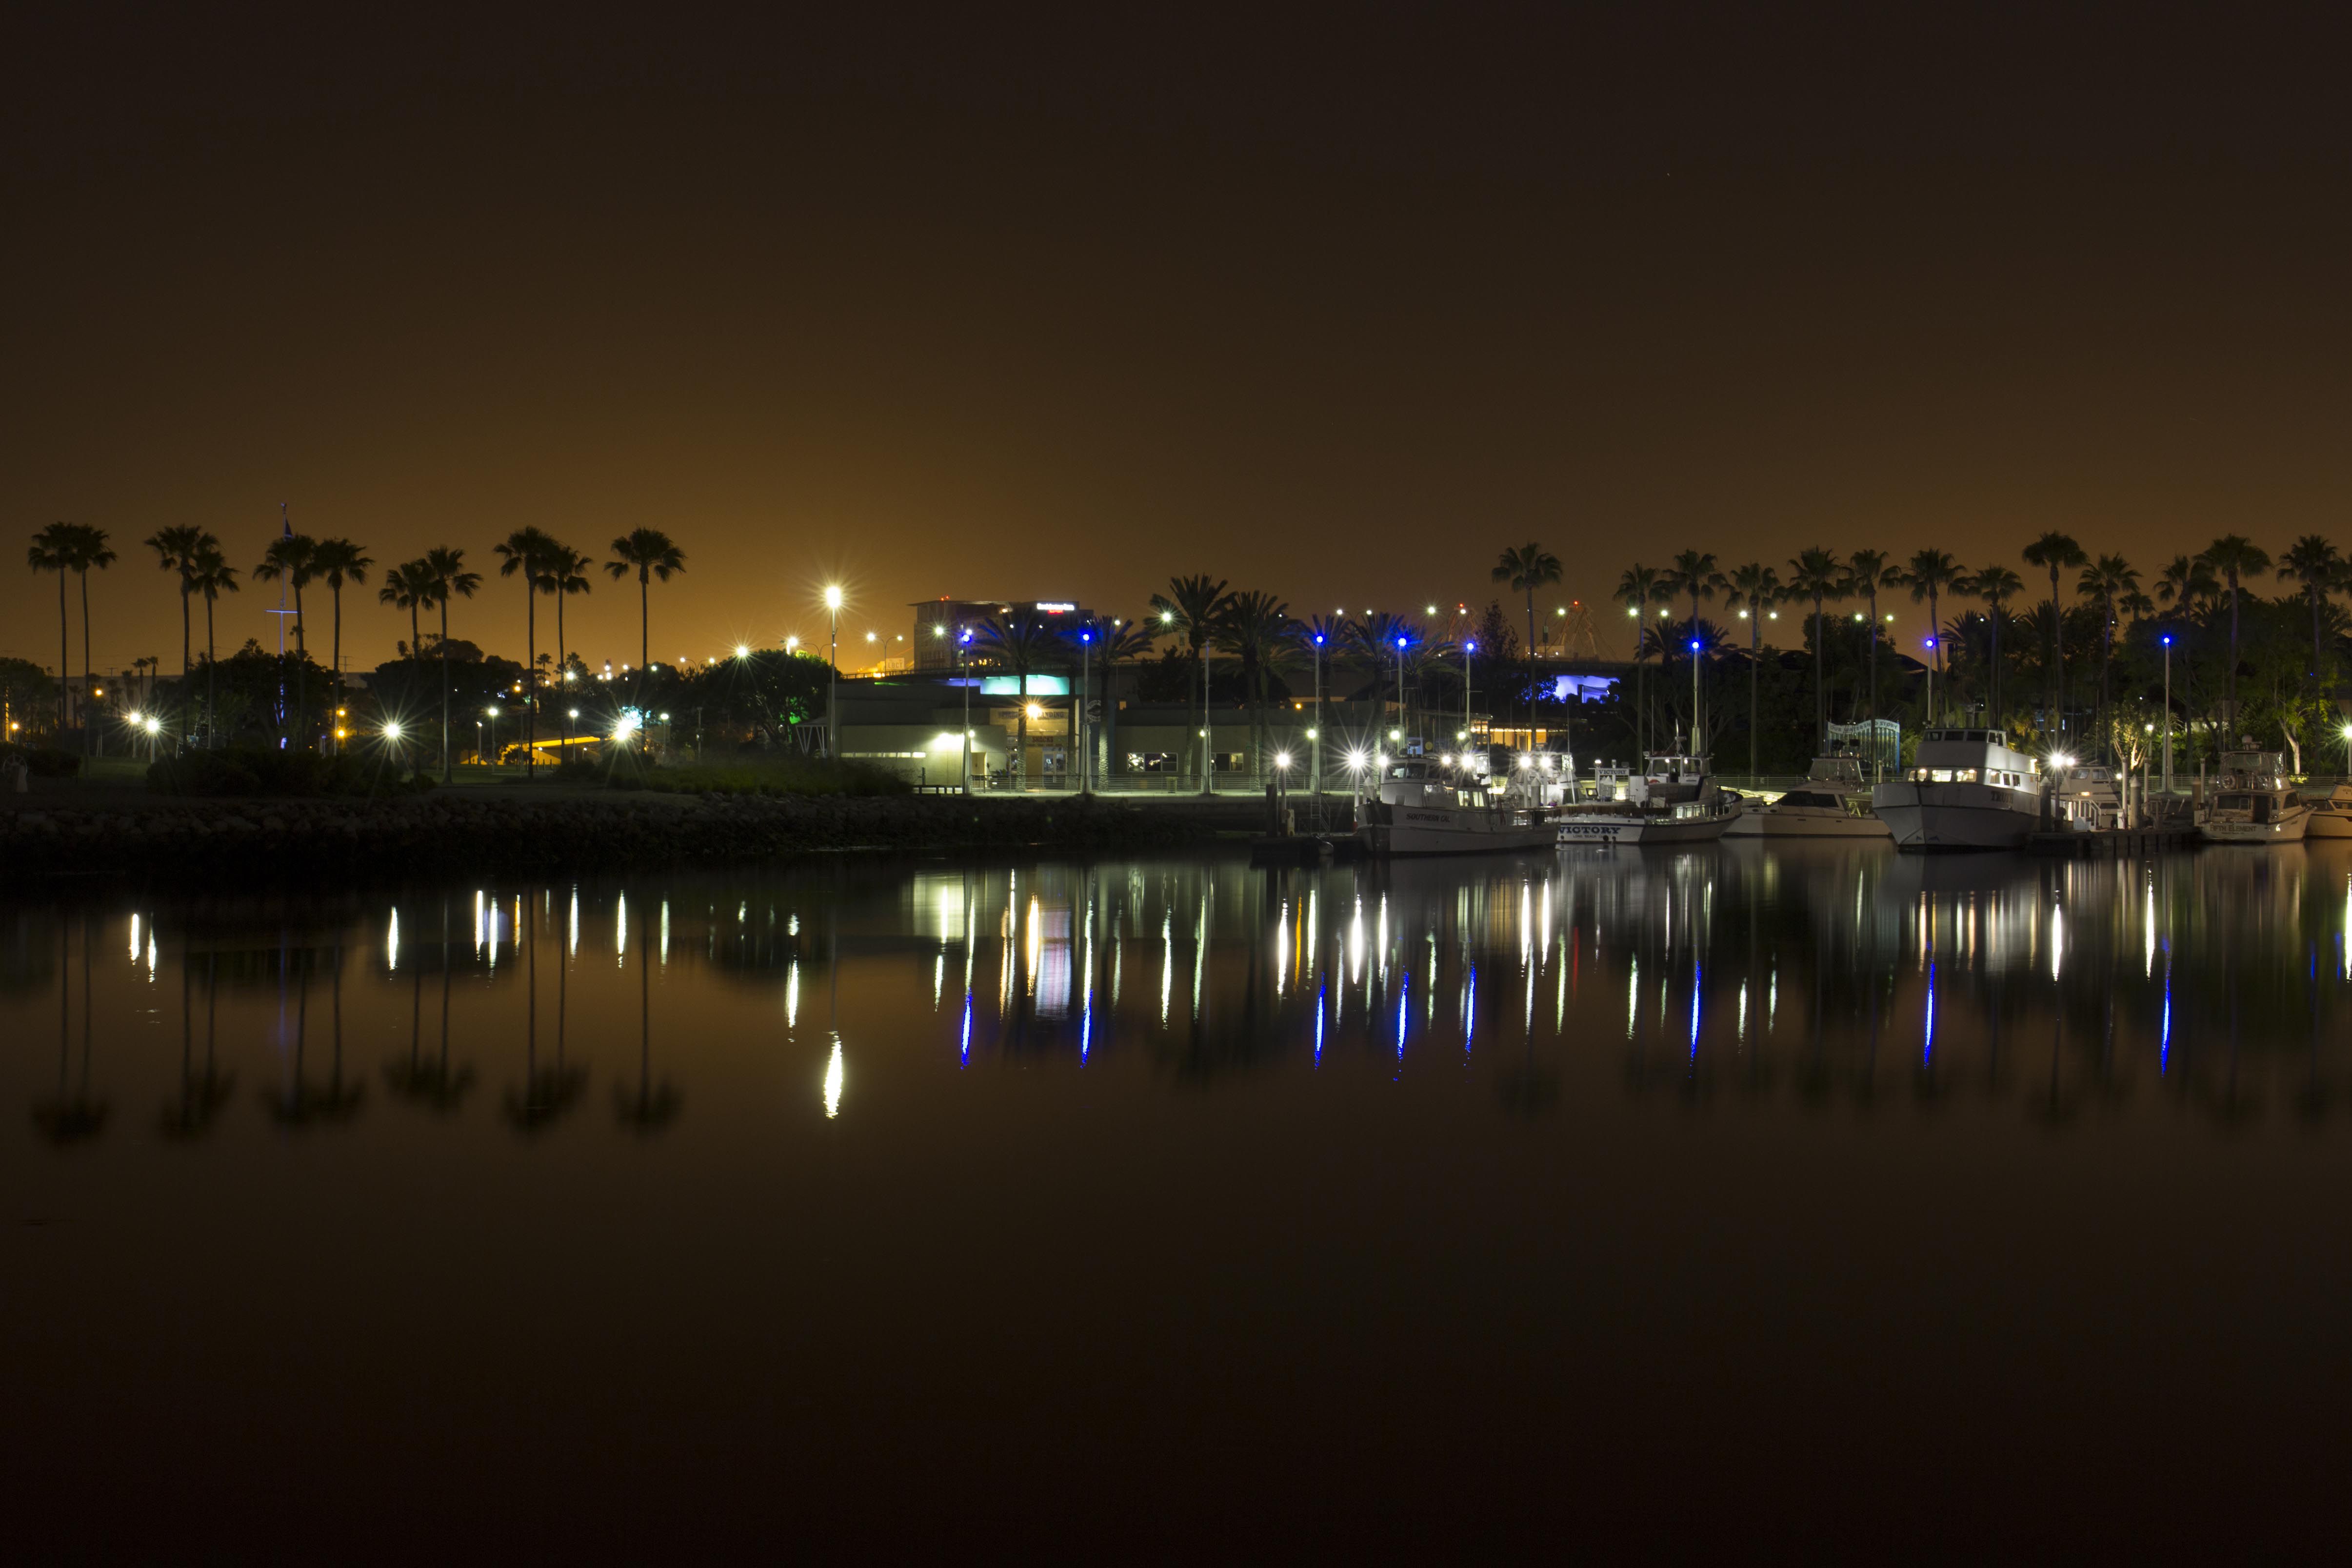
[1526, 568]
[1930, 574]
[1639, 587]
[2055, 551]
[1381, 636]
[1192, 608]
[1753, 589]
[1867, 571]
[409, 586]
[1996, 585]
[566, 575]
[2235, 556]
[292, 558]
[1692, 572]
[2106, 580]
[1124, 641]
[650, 553]
[530, 551]
[91, 553]
[54, 549]
[177, 550]
[2317, 565]
[1019, 647]
[1256, 628]
[1818, 574]
[212, 576]
[338, 561]
[2186, 580]
[448, 569]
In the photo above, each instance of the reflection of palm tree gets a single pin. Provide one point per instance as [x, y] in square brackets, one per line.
[653, 1105]
[73, 1116]
[202, 1097]
[431, 1083]
[544, 1096]
[298, 1104]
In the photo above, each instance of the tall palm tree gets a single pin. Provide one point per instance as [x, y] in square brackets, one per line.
[1637, 588]
[1019, 647]
[1867, 571]
[447, 567]
[408, 586]
[1124, 641]
[212, 576]
[1753, 589]
[177, 550]
[650, 554]
[530, 551]
[2235, 556]
[2057, 552]
[566, 575]
[54, 548]
[338, 561]
[1692, 572]
[1526, 568]
[1996, 585]
[294, 558]
[2317, 565]
[2104, 582]
[2186, 580]
[1256, 628]
[1818, 574]
[1930, 574]
[91, 553]
[1192, 609]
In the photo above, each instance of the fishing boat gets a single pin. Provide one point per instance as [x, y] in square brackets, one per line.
[1676, 802]
[2331, 817]
[1833, 803]
[2253, 803]
[1966, 789]
[2085, 798]
[1413, 806]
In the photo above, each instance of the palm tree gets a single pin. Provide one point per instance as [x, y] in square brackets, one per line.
[2106, 580]
[2057, 552]
[2186, 580]
[1019, 648]
[2314, 563]
[1639, 587]
[1818, 574]
[54, 548]
[1930, 574]
[338, 561]
[1867, 571]
[1192, 608]
[2235, 556]
[530, 551]
[1753, 589]
[1996, 585]
[1123, 642]
[408, 586]
[1526, 568]
[447, 567]
[1256, 628]
[565, 574]
[90, 550]
[1694, 573]
[295, 558]
[650, 553]
[177, 550]
[212, 576]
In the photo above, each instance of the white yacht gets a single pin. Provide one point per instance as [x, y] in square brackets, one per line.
[1966, 789]
[2331, 817]
[1833, 803]
[2084, 799]
[1417, 807]
[2253, 803]
[1676, 802]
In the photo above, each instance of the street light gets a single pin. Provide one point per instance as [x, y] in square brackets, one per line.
[833, 675]
[2168, 717]
[1468, 648]
[1931, 680]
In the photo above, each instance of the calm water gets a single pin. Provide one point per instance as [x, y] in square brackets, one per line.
[1748, 1193]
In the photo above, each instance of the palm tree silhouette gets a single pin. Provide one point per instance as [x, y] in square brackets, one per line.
[338, 561]
[54, 549]
[2317, 565]
[1526, 568]
[298, 1105]
[294, 558]
[448, 567]
[1996, 585]
[1123, 642]
[1256, 630]
[564, 573]
[178, 549]
[212, 576]
[2055, 551]
[1754, 588]
[2235, 556]
[431, 1084]
[1381, 635]
[2106, 580]
[203, 1096]
[409, 586]
[655, 1105]
[1930, 574]
[1692, 572]
[530, 551]
[1818, 574]
[1020, 648]
[1867, 571]
[74, 1116]
[91, 553]
[1192, 608]
[650, 553]
[544, 1095]
[1639, 587]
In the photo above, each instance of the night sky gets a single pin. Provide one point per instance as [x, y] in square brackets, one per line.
[1058, 304]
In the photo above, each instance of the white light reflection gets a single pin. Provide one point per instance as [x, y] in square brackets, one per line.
[2057, 939]
[477, 922]
[391, 941]
[134, 938]
[572, 926]
[1319, 1024]
[621, 926]
[1633, 997]
[664, 931]
[1167, 962]
[793, 995]
[833, 1076]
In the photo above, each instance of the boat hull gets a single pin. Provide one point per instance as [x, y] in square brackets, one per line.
[2328, 825]
[2262, 834]
[1442, 830]
[1600, 829]
[1769, 822]
[1956, 816]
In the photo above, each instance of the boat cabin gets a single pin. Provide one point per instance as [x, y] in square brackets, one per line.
[1972, 757]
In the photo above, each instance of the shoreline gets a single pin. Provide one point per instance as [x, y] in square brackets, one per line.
[250, 842]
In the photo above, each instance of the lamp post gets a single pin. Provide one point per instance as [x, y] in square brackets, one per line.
[1931, 680]
[2168, 717]
[1086, 748]
[833, 676]
[963, 659]
[1400, 724]
[1314, 734]
[1468, 648]
[1693, 733]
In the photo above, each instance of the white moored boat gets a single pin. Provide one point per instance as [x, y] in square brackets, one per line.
[2331, 817]
[1966, 789]
[1416, 807]
[1675, 802]
[1833, 803]
[2253, 803]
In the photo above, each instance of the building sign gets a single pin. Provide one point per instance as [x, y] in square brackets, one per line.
[1039, 685]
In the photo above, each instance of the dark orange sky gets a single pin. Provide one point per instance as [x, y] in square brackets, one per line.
[1054, 304]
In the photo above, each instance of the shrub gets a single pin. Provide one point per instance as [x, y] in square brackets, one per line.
[45, 761]
[251, 771]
